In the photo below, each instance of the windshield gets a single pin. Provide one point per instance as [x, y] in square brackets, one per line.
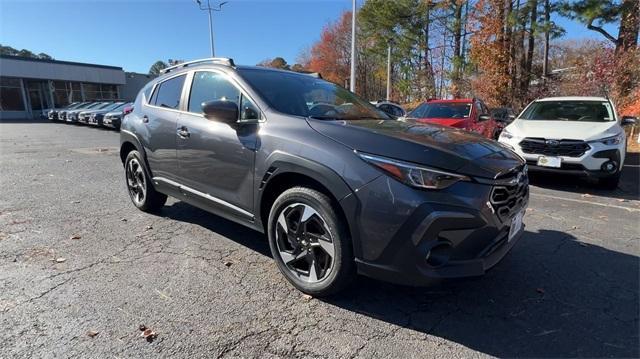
[587, 111]
[305, 95]
[441, 110]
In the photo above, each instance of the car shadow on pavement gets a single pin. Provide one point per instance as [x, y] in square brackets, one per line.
[629, 187]
[552, 296]
[183, 212]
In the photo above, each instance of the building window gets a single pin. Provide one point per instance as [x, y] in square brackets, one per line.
[66, 92]
[11, 95]
[92, 92]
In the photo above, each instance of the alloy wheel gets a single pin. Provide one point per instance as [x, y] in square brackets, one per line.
[136, 182]
[304, 243]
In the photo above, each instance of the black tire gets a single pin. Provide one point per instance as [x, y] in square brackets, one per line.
[341, 269]
[139, 185]
[610, 182]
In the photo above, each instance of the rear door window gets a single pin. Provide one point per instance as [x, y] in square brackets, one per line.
[168, 93]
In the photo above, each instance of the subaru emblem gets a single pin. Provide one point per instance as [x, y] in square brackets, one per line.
[552, 142]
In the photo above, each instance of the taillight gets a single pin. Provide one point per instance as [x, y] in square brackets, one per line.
[127, 110]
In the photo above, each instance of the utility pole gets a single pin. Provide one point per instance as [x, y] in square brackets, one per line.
[389, 72]
[209, 9]
[547, 15]
[352, 82]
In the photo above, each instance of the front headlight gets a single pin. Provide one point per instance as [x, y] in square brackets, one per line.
[613, 140]
[414, 175]
[505, 135]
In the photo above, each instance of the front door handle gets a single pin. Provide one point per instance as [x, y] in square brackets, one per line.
[183, 132]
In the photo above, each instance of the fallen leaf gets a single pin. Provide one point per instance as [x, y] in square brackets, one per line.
[75, 236]
[92, 333]
[75, 202]
[149, 335]
[530, 209]
[228, 264]
[540, 290]
[586, 195]
[123, 219]
[307, 297]
[148, 227]
[142, 327]
[61, 260]
[622, 200]
[574, 227]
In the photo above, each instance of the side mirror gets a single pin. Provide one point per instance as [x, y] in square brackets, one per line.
[222, 111]
[628, 121]
[483, 118]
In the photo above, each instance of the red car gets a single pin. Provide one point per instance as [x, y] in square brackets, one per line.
[470, 114]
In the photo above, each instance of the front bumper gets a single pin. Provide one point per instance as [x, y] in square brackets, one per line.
[416, 237]
[588, 164]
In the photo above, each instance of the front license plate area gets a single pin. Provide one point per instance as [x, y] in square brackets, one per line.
[546, 161]
[516, 225]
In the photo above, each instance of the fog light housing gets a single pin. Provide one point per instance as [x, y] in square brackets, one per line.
[439, 254]
[610, 166]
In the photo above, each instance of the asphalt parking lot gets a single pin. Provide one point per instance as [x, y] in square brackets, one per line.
[81, 269]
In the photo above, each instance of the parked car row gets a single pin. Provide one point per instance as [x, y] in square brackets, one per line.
[101, 113]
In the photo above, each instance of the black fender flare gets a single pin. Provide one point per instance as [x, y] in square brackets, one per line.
[280, 163]
[129, 137]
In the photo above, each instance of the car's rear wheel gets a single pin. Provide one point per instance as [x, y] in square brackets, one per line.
[310, 243]
[139, 186]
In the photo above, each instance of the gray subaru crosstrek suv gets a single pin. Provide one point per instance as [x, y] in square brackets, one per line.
[338, 187]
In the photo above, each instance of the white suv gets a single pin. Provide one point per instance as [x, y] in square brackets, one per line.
[576, 135]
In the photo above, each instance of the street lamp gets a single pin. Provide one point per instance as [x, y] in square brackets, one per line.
[352, 84]
[209, 9]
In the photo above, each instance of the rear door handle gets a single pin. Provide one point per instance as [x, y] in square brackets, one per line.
[183, 132]
[145, 119]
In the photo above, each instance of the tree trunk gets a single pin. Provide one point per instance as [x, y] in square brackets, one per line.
[629, 25]
[457, 44]
[526, 78]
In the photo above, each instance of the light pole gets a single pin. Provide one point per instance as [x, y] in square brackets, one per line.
[352, 83]
[209, 9]
[389, 72]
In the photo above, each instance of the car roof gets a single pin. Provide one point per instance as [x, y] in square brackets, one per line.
[573, 98]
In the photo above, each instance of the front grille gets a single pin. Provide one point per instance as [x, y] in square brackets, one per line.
[541, 146]
[507, 200]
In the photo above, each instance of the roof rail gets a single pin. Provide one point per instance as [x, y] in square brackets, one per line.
[215, 60]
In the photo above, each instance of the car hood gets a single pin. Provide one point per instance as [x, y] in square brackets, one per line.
[559, 130]
[454, 122]
[427, 144]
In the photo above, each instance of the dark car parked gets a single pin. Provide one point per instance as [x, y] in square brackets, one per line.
[97, 118]
[338, 189]
[114, 119]
[503, 117]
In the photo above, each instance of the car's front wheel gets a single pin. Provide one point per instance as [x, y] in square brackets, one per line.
[310, 243]
[139, 186]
